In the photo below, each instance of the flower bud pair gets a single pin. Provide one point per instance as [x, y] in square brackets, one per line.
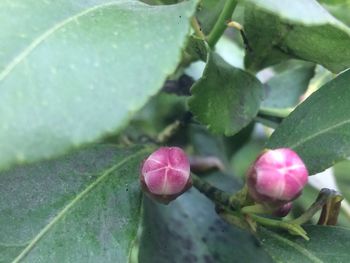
[165, 174]
[276, 178]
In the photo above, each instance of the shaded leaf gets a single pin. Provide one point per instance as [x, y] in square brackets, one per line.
[189, 230]
[319, 129]
[80, 208]
[205, 144]
[285, 89]
[72, 71]
[160, 111]
[225, 99]
[301, 29]
[235, 143]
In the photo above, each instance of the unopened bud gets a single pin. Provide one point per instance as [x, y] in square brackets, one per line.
[283, 210]
[277, 177]
[165, 174]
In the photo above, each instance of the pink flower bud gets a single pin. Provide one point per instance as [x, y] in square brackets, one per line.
[283, 210]
[165, 174]
[277, 177]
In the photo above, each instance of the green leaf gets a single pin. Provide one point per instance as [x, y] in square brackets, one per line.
[284, 89]
[208, 12]
[319, 129]
[326, 244]
[159, 112]
[300, 29]
[71, 72]
[84, 207]
[226, 99]
[341, 173]
[189, 230]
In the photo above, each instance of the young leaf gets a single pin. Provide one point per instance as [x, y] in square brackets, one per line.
[189, 230]
[319, 129]
[80, 208]
[226, 99]
[301, 29]
[72, 71]
[326, 244]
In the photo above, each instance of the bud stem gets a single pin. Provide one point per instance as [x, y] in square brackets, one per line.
[168, 132]
[233, 218]
[218, 196]
[255, 209]
[292, 228]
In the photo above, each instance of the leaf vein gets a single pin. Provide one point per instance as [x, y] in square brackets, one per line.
[65, 210]
[297, 247]
[316, 134]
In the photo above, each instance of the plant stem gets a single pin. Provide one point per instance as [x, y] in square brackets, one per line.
[196, 27]
[220, 24]
[280, 113]
[168, 131]
[266, 122]
[218, 196]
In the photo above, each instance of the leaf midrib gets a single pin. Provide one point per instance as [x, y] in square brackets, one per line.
[298, 248]
[38, 40]
[319, 133]
[73, 202]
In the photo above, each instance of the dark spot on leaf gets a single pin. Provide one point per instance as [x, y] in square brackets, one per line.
[188, 244]
[216, 256]
[208, 259]
[190, 258]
